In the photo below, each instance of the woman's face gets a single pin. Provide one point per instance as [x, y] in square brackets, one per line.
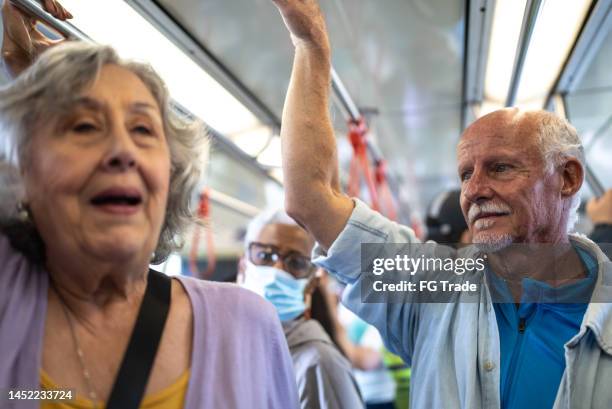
[97, 178]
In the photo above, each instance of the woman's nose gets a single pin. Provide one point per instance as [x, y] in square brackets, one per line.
[120, 156]
[120, 161]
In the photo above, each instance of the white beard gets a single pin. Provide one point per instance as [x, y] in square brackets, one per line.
[491, 242]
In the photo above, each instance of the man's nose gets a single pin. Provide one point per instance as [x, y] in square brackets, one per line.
[477, 188]
[279, 264]
[121, 152]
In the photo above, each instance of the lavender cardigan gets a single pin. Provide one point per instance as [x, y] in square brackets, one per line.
[240, 357]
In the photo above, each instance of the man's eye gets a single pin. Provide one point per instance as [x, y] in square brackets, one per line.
[297, 263]
[264, 256]
[501, 167]
[466, 175]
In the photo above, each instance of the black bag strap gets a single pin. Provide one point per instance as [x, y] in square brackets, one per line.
[131, 381]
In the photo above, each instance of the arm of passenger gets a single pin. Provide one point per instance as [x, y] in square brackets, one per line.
[21, 40]
[396, 322]
[310, 165]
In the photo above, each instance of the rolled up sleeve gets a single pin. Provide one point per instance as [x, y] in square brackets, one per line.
[396, 321]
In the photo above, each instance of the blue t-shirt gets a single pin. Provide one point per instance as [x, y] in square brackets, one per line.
[532, 336]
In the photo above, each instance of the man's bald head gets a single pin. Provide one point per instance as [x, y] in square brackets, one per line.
[520, 173]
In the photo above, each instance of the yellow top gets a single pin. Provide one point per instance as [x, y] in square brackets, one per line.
[172, 397]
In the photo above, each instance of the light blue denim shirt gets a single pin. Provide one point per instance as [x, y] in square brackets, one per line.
[454, 347]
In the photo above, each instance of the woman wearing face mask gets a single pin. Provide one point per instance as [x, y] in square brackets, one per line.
[277, 266]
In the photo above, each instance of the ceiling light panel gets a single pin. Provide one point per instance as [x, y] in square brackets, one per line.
[505, 33]
[118, 24]
[556, 29]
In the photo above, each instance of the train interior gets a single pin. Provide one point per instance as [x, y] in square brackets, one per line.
[409, 76]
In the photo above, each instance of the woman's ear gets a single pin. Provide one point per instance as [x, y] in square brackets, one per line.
[573, 176]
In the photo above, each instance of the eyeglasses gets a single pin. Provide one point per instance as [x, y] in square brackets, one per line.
[294, 263]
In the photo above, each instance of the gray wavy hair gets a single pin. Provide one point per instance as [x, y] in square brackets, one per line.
[48, 88]
[559, 141]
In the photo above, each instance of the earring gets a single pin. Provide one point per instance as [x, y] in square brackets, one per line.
[23, 212]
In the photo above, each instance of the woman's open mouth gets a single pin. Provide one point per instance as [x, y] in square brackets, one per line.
[124, 201]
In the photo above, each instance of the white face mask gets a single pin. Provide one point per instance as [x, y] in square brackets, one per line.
[283, 290]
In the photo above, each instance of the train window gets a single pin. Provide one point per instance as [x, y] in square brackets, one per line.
[589, 107]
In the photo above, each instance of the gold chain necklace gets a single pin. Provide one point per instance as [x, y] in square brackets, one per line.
[81, 357]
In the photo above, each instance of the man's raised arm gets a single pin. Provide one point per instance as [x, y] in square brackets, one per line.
[310, 164]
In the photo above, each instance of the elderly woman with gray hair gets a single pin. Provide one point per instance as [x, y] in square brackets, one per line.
[104, 175]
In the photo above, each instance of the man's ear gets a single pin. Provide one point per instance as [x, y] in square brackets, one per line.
[573, 176]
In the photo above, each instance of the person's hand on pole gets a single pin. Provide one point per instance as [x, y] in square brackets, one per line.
[599, 209]
[22, 42]
[310, 162]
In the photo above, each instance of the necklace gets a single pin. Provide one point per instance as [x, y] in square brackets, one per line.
[81, 357]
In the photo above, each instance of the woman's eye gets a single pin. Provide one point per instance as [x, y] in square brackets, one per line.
[84, 127]
[142, 129]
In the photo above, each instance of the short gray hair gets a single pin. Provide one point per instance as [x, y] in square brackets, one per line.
[50, 86]
[271, 216]
[558, 141]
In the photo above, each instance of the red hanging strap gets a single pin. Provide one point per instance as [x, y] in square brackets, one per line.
[203, 215]
[384, 192]
[360, 163]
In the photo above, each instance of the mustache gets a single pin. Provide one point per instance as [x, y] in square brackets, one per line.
[487, 208]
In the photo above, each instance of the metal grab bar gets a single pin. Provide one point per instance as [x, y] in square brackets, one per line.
[34, 9]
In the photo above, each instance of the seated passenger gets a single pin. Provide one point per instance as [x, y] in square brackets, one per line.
[106, 171]
[277, 267]
[520, 175]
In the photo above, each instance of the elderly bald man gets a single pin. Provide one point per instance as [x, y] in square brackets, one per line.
[520, 175]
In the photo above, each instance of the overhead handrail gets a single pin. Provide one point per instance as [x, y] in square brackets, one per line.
[63, 27]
